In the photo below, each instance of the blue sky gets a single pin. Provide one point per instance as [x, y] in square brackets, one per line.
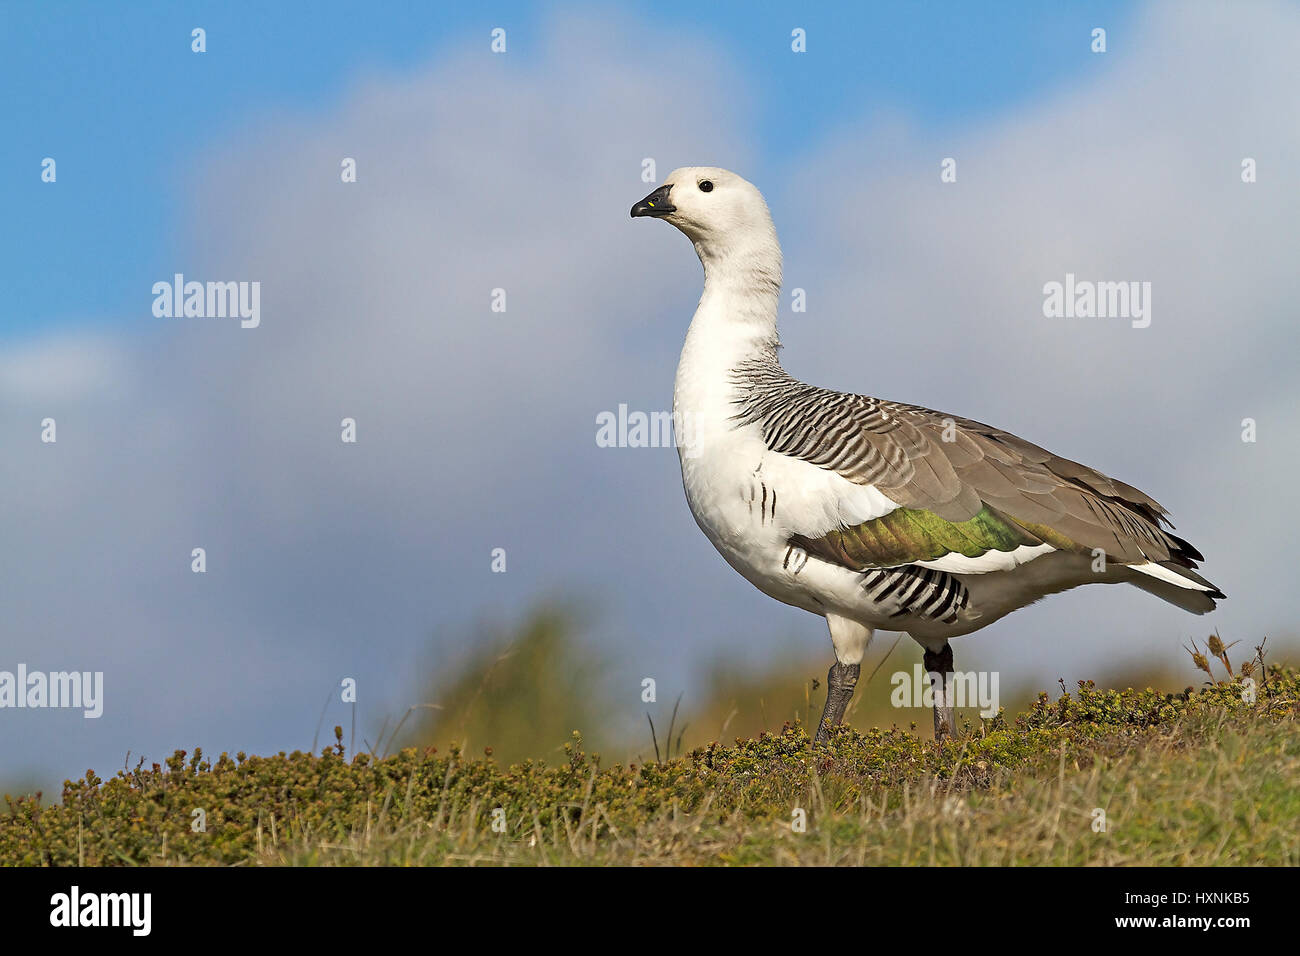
[477, 429]
[114, 94]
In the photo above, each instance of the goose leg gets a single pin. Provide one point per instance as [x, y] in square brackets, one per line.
[938, 664]
[850, 640]
[841, 679]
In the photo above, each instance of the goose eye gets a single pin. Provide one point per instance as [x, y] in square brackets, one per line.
[706, 186]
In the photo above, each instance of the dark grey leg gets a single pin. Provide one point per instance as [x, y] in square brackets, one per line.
[840, 682]
[938, 664]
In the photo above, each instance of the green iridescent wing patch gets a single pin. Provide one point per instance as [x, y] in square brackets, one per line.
[907, 535]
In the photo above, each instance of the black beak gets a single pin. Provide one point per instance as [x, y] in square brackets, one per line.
[656, 204]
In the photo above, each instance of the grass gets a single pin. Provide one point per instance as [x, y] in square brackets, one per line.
[1095, 777]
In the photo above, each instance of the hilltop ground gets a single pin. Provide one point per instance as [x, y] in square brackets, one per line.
[1097, 777]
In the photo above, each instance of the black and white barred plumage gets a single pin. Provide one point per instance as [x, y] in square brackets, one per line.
[918, 592]
[819, 425]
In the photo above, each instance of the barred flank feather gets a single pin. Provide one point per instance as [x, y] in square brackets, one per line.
[917, 592]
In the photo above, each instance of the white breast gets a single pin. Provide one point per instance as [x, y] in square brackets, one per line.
[747, 499]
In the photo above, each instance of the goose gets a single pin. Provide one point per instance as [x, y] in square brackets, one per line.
[874, 514]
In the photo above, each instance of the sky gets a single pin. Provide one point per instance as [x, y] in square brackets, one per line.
[476, 428]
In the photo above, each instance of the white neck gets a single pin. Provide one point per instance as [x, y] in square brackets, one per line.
[735, 321]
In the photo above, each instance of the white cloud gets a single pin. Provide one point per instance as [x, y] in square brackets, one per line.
[62, 369]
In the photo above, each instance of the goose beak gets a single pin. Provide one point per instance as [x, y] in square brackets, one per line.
[656, 204]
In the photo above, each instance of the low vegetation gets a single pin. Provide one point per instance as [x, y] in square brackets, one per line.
[1099, 777]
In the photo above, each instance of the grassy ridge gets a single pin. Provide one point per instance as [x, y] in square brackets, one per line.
[1201, 777]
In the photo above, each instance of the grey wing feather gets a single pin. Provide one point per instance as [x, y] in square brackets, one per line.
[953, 466]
